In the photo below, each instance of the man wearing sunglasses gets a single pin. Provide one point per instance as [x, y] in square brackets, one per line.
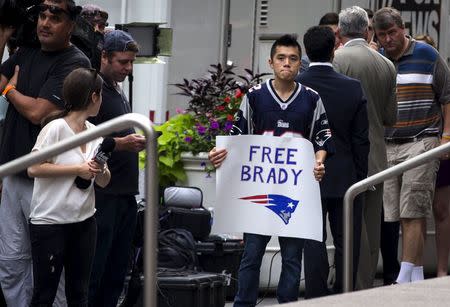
[31, 79]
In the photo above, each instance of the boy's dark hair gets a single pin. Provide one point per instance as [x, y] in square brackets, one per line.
[331, 18]
[319, 43]
[78, 88]
[286, 40]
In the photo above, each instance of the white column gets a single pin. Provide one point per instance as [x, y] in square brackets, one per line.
[150, 80]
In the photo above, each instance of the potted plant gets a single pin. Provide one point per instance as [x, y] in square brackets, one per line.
[213, 103]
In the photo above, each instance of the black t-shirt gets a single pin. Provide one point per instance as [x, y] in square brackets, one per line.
[123, 165]
[41, 75]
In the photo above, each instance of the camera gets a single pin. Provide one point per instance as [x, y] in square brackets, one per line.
[22, 15]
[17, 13]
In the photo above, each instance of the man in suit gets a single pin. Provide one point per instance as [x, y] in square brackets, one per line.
[346, 108]
[378, 78]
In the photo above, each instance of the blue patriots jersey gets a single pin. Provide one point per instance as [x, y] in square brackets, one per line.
[263, 112]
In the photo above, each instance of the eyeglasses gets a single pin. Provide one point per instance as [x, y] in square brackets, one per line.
[56, 10]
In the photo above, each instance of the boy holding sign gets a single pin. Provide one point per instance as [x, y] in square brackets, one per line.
[279, 107]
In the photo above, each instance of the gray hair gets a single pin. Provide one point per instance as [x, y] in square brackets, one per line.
[353, 22]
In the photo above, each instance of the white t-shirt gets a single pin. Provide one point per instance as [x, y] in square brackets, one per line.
[57, 200]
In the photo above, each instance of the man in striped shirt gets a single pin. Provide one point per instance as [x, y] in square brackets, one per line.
[423, 96]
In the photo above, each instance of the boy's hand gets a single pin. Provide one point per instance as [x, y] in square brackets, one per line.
[319, 170]
[217, 156]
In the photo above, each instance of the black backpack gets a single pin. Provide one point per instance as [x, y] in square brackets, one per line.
[176, 250]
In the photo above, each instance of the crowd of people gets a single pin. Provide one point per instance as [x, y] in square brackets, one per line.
[385, 97]
[381, 95]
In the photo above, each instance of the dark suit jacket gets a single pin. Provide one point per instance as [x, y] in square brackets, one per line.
[346, 110]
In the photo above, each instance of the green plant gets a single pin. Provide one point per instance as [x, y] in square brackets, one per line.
[213, 103]
[170, 146]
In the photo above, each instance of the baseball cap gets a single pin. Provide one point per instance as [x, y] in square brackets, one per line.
[92, 10]
[117, 40]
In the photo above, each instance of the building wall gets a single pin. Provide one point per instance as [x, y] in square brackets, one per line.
[196, 43]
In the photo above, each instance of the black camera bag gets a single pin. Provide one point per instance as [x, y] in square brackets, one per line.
[182, 208]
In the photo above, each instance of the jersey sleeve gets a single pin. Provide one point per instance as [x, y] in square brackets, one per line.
[243, 123]
[320, 134]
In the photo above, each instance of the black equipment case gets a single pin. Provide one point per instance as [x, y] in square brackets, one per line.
[221, 255]
[182, 208]
[191, 289]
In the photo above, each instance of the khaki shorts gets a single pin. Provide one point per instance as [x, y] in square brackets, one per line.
[410, 195]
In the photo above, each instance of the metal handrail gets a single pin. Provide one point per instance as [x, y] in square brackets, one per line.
[363, 186]
[151, 180]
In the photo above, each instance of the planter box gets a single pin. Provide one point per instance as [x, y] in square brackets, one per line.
[197, 177]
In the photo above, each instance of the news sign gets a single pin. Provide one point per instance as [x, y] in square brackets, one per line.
[266, 186]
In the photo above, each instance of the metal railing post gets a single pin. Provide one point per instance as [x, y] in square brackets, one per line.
[151, 182]
[363, 186]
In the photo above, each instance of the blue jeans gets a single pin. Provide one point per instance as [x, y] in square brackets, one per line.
[248, 280]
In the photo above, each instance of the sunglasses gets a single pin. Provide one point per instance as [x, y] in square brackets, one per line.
[55, 10]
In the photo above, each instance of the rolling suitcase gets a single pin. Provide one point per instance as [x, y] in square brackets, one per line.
[221, 255]
[191, 289]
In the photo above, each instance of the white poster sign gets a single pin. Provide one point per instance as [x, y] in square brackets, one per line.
[266, 186]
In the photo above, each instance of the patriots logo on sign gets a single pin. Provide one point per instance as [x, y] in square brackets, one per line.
[281, 205]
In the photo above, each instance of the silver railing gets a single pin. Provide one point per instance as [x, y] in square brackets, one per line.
[151, 182]
[363, 186]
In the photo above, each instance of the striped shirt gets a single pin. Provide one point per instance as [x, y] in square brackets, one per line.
[423, 86]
